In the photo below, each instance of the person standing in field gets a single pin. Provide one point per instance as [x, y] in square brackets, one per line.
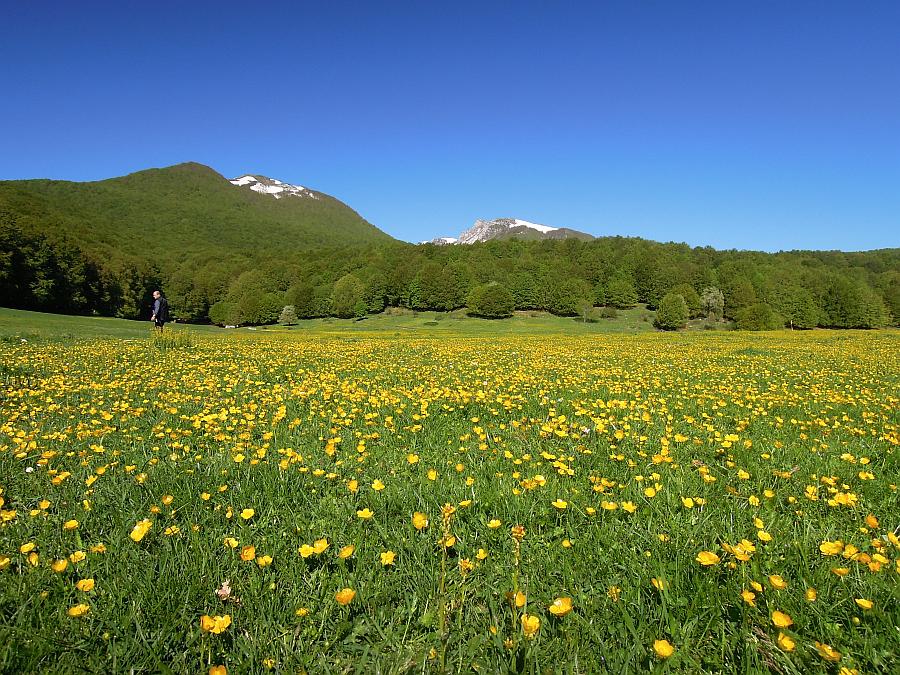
[160, 311]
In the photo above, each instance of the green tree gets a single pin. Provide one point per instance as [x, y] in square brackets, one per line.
[347, 297]
[758, 316]
[492, 301]
[672, 313]
[691, 299]
[567, 296]
[620, 293]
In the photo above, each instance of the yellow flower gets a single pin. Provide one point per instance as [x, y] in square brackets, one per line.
[827, 652]
[365, 513]
[140, 529]
[26, 548]
[77, 557]
[387, 558]
[167, 499]
[749, 597]
[707, 558]
[247, 514]
[663, 649]
[4, 562]
[432, 474]
[841, 571]
[687, 502]
[60, 565]
[871, 521]
[831, 547]
[248, 553]
[215, 624]
[85, 585]
[303, 611]
[493, 523]
[231, 542]
[762, 535]
[629, 507]
[560, 504]
[218, 670]
[412, 459]
[650, 492]
[865, 604]
[70, 525]
[777, 582]
[781, 620]
[377, 485]
[419, 520]
[811, 594]
[79, 610]
[320, 545]
[482, 554]
[306, 550]
[786, 642]
[264, 560]
[345, 596]
[530, 625]
[561, 606]
[346, 551]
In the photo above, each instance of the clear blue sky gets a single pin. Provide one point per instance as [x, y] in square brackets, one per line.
[764, 125]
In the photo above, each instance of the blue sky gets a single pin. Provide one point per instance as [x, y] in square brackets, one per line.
[765, 125]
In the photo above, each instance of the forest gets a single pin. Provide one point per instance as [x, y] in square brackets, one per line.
[46, 270]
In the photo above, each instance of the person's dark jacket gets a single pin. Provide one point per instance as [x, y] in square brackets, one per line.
[161, 310]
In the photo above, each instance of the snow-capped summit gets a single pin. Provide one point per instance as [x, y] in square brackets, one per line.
[271, 186]
[507, 228]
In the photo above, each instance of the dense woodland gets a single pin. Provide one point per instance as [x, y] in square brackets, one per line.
[228, 255]
[757, 290]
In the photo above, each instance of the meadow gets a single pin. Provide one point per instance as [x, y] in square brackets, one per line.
[367, 501]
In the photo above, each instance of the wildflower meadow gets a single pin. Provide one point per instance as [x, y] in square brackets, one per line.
[326, 502]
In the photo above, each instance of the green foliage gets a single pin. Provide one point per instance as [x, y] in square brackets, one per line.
[672, 312]
[347, 299]
[758, 316]
[569, 297]
[491, 301]
[621, 294]
[691, 299]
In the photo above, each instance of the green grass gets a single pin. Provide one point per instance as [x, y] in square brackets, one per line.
[110, 428]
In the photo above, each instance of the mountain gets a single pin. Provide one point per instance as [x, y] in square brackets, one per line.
[182, 211]
[509, 228]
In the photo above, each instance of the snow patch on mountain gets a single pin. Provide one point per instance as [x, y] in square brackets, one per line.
[534, 226]
[272, 186]
[485, 230]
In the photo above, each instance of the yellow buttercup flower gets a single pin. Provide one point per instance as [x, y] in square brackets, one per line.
[663, 649]
[345, 596]
[561, 606]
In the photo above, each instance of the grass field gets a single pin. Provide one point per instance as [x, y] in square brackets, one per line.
[367, 497]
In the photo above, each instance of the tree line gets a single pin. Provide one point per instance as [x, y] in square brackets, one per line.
[802, 289]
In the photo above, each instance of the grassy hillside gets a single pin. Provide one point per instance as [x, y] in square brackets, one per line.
[169, 214]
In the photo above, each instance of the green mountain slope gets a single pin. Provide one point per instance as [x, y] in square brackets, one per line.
[169, 214]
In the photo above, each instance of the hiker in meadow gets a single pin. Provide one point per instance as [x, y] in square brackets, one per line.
[160, 311]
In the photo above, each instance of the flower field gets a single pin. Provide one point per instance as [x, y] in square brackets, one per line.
[382, 503]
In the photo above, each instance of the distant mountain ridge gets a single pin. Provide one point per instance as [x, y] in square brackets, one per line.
[510, 228]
